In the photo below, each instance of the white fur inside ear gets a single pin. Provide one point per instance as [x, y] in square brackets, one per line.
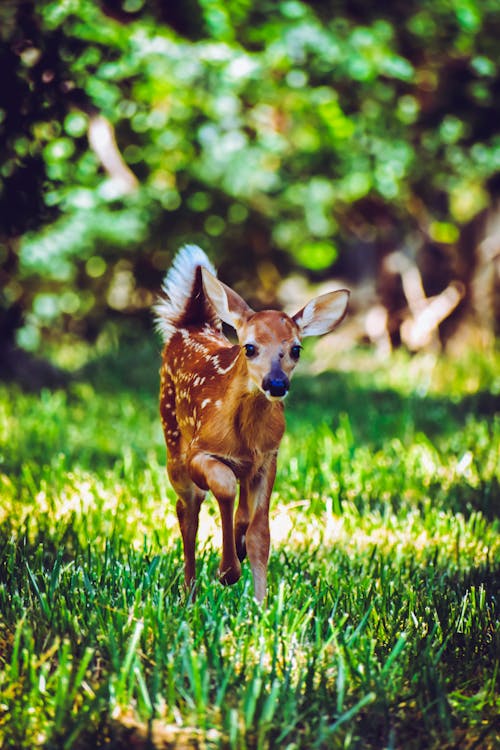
[322, 314]
[217, 296]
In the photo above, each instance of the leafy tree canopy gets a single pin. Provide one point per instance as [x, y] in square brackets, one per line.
[251, 127]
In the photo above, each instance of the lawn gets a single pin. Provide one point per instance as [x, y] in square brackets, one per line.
[381, 627]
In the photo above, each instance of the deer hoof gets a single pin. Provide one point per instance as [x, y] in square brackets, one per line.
[230, 575]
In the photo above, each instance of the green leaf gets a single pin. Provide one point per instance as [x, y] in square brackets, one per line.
[316, 256]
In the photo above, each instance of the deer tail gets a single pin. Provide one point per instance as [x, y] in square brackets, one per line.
[182, 302]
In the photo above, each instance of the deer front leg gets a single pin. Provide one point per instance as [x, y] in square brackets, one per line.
[211, 474]
[242, 520]
[257, 536]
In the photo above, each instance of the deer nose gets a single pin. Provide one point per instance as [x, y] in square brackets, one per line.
[276, 383]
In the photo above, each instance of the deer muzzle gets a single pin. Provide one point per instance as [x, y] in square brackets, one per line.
[276, 384]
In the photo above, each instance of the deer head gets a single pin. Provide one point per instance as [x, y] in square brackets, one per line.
[271, 340]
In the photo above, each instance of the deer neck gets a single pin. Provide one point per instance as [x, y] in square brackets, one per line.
[258, 422]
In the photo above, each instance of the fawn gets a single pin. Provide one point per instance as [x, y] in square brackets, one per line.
[221, 404]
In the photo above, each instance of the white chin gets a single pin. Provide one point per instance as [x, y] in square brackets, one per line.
[275, 398]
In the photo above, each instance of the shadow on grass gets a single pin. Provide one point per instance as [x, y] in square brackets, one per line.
[378, 415]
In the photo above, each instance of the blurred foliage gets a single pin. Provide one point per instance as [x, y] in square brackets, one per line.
[275, 134]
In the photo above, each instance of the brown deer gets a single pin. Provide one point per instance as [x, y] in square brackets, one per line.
[221, 404]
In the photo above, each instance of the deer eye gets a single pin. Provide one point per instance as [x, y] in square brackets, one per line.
[295, 351]
[250, 350]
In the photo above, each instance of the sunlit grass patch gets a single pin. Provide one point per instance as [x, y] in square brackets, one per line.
[381, 626]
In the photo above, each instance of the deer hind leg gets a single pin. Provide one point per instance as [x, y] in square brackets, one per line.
[211, 474]
[190, 498]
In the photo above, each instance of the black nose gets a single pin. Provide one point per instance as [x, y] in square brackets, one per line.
[277, 386]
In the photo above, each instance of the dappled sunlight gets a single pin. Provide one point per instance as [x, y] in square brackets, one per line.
[451, 537]
[93, 506]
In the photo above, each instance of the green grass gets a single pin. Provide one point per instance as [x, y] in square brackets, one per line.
[381, 628]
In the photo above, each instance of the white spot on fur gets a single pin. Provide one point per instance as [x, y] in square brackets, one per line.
[217, 365]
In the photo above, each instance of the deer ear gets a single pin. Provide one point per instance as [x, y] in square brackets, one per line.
[228, 305]
[322, 314]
